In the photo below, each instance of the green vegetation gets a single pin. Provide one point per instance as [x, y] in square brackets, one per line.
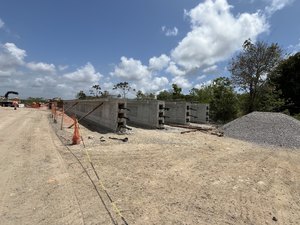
[261, 80]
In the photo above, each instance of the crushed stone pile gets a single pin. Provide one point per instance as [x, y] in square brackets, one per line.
[265, 128]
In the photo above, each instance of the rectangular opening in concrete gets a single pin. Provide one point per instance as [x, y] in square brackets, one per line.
[187, 120]
[120, 115]
[121, 124]
[160, 106]
[160, 114]
[121, 106]
[187, 113]
[207, 113]
[207, 107]
[160, 122]
[187, 107]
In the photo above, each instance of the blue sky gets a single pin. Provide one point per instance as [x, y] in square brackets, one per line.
[57, 48]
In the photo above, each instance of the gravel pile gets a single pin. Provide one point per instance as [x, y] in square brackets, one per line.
[266, 128]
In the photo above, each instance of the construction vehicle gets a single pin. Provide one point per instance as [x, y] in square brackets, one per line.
[6, 102]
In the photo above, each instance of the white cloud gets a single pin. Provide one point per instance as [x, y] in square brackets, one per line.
[210, 70]
[174, 70]
[276, 5]
[41, 67]
[62, 67]
[201, 77]
[170, 31]
[293, 49]
[44, 82]
[140, 76]
[159, 63]
[11, 56]
[203, 84]
[85, 74]
[216, 34]
[182, 82]
[1, 23]
[131, 69]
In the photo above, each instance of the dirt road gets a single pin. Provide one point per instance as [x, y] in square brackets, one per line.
[157, 177]
[35, 186]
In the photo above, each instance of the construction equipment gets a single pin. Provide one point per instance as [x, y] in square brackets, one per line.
[4, 101]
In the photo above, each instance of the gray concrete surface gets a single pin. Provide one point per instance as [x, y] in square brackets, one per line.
[146, 113]
[178, 113]
[111, 115]
[199, 113]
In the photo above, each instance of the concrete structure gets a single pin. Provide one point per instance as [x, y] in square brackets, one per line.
[178, 113]
[146, 113]
[110, 116]
[199, 113]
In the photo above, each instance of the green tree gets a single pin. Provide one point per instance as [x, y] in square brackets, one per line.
[96, 90]
[176, 92]
[104, 94]
[286, 79]
[140, 95]
[165, 95]
[124, 88]
[251, 67]
[203, 94]
[223, 104]
[81, 95]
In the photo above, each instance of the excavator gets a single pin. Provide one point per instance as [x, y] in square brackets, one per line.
[4, 101]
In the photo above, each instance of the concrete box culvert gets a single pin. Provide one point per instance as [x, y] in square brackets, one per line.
[146, 113]
[178, 113]
[111, 115]
[199, 113]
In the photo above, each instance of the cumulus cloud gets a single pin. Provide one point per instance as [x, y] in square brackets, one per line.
[159, 63]
[203, 84]
[62, 67]
[174, 70]
[41, 67]
[276, 5]
[85, 74]
[1, 23]
[140, 76]
[131, 69]
[210, 70]
[11, 56]
[44, 81]
[182, 82]
[170, 31]
[215, 34]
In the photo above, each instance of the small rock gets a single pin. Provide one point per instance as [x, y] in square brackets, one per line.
[274, 219]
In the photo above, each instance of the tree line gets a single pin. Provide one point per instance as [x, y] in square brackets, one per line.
[262, 79]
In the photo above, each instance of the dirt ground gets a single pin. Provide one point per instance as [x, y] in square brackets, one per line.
[156, 177]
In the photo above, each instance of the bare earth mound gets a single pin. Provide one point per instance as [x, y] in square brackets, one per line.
[266, 128]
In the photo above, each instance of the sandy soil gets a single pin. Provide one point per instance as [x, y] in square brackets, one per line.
[156, 177]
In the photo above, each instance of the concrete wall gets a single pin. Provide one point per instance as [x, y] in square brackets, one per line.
[178, 113]
[199, 113]
[146, 113]
[110, 116]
